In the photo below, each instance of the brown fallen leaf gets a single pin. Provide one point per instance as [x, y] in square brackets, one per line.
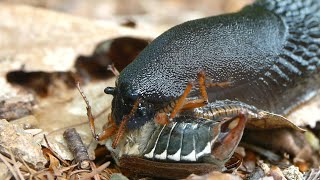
[54, 164]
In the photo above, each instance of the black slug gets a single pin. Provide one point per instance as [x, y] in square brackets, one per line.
[269, 52]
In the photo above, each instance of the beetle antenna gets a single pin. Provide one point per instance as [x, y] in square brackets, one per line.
[108, 130]
[123, 124]
[113, 69]
[89, 112]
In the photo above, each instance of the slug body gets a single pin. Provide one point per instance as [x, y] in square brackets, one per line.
[269, 51]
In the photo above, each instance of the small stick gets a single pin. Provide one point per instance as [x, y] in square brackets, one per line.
[96, 171]
[77, 148]
[15, 165]
[53, 152]
[11, 168]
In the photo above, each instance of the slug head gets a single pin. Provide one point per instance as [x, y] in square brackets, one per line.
[122, 104]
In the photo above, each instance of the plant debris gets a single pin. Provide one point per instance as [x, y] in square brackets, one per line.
[4, 173]
[16, 107]
[292, 173]
[283, 141]
[15, 140]
[77, 148]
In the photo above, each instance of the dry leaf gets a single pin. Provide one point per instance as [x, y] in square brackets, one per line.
[54, 162]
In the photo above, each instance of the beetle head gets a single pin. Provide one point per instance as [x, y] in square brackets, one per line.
[122, 104]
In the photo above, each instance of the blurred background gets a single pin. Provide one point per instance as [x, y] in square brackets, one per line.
[152, 12]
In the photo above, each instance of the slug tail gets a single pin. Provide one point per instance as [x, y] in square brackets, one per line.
[291, 9]
[301, 52]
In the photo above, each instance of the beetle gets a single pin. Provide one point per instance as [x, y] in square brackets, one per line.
[184, 146]
[266, 56]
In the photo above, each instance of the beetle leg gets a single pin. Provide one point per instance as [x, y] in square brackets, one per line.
[181, 101]
[183, 105]
[123, 124]
[203, 91]
[202, 86]
[161, 118]
[233, 163]
[220, 84]
[109, 130]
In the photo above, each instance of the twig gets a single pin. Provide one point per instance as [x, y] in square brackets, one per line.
[31, 171]
[96, 170]
[77, 172]
[77, 148]
[11, 169]
[49, 175]
[15, 165]
[9, 178]
[54, 153]
[68, 168]
[41, 172]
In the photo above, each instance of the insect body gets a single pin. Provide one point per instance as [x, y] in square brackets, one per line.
[187, 141]
[269, 51]
[207, 134]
